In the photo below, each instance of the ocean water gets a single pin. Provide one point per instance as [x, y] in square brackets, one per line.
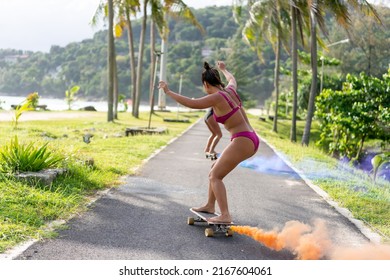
[57, 104]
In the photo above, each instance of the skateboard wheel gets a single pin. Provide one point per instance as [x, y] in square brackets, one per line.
[190, 221]
[209, 232]
[229, 233]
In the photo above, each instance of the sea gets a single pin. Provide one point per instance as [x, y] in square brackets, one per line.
[57, 104]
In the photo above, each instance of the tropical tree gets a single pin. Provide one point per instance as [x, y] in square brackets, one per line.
[107, 8]
[269, 20]
[124, 9]
[127, 9]
[141, 50]
[175, 8]
[69, 95]
[339, 9]
[110, 61]
[298, 15]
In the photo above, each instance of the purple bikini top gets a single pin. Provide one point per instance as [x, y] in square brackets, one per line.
[224, 118]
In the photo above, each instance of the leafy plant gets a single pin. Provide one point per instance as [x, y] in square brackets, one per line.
[70, 95]
[20, 109]
[352, 116]
[16, 157]
[33, 99]
[122, 99]
[378, 161]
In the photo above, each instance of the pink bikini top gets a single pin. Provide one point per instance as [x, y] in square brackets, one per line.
[224, 118]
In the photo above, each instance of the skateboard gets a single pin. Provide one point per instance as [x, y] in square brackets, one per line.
[202, 217]
[213, 156]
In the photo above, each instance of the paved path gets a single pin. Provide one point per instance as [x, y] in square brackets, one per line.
[146, 217]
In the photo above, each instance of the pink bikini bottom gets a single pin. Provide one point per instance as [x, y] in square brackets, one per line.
[248, 134]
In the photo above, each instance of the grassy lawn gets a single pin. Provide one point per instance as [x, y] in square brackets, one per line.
[25, 210]
[352, 189]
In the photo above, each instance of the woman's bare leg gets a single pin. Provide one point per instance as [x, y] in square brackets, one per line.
[210, 139]
[216, 134]
[238, 150]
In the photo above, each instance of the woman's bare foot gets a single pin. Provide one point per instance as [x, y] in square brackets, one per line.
[204, 209]
[221, 219]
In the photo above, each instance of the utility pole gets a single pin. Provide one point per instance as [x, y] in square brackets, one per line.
[163, 67]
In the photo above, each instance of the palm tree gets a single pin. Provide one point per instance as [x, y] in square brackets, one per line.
[128, 8]
[269, 21]
[125, 9]
[339, 9]
[294, 55]
[140, 59]
[298, 13]
[110, 61]
[176, 9]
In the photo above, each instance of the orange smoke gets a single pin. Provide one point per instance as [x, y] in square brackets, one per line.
[311, 242]
[365, 252]
[306, 242]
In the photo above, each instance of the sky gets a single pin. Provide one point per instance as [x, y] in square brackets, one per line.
[37, 25]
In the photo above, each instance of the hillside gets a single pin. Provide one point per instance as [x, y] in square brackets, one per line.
[84, 63]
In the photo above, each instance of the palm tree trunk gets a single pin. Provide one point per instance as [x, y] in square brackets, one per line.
[313, 89]
[152, 65]
[276, 81]
[110, 61]
[140, 56]
[132, 61]
[294, 50]
[116, 86]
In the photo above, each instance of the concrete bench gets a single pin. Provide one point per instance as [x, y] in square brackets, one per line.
[39, 107]
[144, 130]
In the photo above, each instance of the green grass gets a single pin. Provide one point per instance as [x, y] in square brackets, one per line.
[350, 188]
[26, 210]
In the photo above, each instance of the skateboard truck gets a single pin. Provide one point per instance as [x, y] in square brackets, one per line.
[217, 228]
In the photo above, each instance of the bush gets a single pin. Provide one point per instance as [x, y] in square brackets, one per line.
[16, 157]
[352, 116]
[33, 99]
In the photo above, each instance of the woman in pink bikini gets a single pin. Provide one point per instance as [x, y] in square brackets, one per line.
[228, 111]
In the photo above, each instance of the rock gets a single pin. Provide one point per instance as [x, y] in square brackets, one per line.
[88, 108]
[45, 177]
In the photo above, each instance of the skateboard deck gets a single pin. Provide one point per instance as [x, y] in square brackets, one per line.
[202, 217]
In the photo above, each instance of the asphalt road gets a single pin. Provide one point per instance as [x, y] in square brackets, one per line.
[146, 218]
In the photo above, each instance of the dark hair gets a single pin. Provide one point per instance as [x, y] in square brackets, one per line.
[211, 75]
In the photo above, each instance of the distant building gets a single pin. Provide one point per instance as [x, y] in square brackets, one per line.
[207, 52]
[11, 59]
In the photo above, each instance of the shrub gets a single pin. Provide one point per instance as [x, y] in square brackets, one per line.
[23, 107]
[16, 157]
[33, 99]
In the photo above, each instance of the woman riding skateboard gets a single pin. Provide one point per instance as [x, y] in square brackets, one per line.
[215, 136]
[228, 110]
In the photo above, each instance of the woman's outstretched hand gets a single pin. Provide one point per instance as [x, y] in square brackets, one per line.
[221, 65]
[163, 85]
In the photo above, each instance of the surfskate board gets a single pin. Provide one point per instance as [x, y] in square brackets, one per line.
[213, 156]
[215, 228]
